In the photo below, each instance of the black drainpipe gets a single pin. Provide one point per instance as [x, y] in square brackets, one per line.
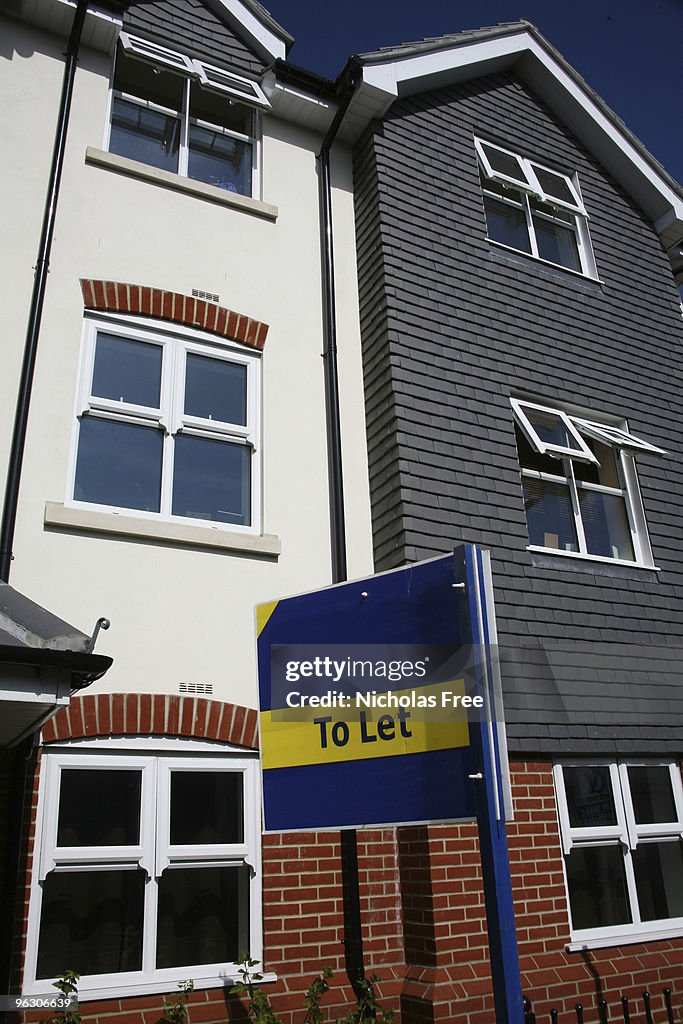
[24, 761]
[42, 268]
[353, 936]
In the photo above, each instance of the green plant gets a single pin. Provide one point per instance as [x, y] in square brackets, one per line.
[260, 1011]
[367, 1006]
[68, 986]
[175, 1010]
[314, 993]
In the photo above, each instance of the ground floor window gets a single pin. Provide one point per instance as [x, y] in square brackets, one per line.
[622, 829]
[147, 868]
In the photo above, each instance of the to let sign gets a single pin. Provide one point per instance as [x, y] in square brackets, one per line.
[366, 702]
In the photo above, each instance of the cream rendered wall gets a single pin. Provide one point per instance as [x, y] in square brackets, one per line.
[179, 615]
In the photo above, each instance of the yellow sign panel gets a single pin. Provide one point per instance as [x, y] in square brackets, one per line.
[432, 719]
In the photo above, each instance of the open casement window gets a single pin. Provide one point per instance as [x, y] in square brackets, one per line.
[167, 426]
[534, 209]
[622, 831]
[185, 116]
[581, 492]
[148, 869]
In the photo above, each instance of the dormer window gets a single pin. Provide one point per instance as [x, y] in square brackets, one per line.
[186, 117]
[534, 209]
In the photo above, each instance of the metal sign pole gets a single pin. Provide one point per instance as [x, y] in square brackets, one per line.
[489, 804]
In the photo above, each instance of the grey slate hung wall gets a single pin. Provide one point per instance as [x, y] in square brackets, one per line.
[451, 328]
[189, 27]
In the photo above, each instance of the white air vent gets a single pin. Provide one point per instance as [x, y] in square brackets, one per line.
[197, 294]
[204, 688]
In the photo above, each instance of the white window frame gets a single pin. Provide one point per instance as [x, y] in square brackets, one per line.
[154, 854]
[176, 344]
[626, 834]
[626, 445]
[247, 92]
[529, 187]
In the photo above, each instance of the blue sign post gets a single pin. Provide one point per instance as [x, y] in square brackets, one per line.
[372, 695]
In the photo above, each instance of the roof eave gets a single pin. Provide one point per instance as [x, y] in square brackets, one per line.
[422, 67]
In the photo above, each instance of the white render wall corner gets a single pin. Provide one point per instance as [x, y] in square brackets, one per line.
[179, 614]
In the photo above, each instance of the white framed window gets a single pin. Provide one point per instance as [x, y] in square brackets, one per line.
[622, 838]
[182, 115]
[534, 209]
[148, 870]
[167, 426]
[581, 492]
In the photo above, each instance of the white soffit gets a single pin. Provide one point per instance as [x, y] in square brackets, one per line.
[565, 93]
[100, 29]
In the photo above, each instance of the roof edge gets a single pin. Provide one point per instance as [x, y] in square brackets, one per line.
[519, 46]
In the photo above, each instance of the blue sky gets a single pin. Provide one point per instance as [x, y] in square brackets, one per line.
[629, 51]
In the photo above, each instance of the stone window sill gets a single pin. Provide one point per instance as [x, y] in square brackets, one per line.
[143, 172]
[83, 520]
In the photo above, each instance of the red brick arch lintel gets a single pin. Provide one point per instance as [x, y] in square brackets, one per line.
[114, 297]
[153, 714]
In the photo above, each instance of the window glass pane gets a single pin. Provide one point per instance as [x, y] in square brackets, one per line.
[596, 879]
[206, 807]
[659, 880]
[119, 464]
[506, 224]
[606, 473]
[145, 135]
[212, 480]
[219, 109]
[219, 78]
[550, 519]
[127, 371]
[605, 524]
[149, 82]
[529, 458]
[99, 807]
[219, 160]
[552, 429]
[554, 185]
[216, 389]
[556, 243]
[505, 163]
[91, 922]
[652, 795]
[589, 796]
[203, 916]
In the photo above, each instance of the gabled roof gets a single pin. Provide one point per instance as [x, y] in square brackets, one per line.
[397, 71]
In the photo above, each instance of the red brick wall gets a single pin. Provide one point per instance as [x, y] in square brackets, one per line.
[421, 896]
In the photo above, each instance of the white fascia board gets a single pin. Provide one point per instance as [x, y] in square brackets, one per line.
[422, 71]
[612, 146]
[261, 37]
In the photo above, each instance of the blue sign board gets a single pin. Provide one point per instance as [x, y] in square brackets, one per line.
[364, 702]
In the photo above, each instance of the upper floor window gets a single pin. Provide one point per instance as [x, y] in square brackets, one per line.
[186, 117]
[621, 828]
[534, 209]
[581, 492]
[167, 425]
[147, 869]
